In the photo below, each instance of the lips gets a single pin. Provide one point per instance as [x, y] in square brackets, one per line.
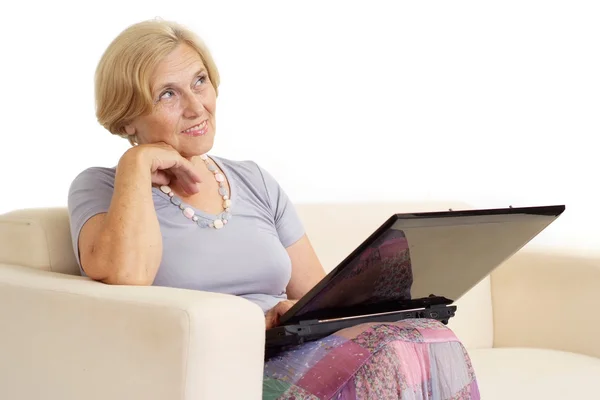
[197, 130]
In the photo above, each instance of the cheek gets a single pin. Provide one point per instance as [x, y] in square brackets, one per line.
[210, 106]
[157, 126]
[166, 120]
[210, 102]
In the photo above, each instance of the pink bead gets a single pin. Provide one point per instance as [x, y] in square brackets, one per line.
[188, 212]
[225, 221]
[219, 177]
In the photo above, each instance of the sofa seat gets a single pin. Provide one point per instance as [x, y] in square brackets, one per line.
[527, 373]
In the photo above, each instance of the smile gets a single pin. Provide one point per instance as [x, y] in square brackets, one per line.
[197, 130]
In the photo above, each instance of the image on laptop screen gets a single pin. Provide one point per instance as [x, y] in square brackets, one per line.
[381, 273]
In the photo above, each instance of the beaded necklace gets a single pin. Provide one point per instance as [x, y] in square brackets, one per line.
[223, 217]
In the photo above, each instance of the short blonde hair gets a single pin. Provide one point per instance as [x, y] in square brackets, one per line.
[122, 80]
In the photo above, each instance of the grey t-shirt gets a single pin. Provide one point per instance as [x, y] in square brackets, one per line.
[247, 257]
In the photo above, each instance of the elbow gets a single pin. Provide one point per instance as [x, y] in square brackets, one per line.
[119, 275]
[124, 268]
[125, 277]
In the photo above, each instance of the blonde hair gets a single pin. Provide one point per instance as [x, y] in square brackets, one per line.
[122, 80]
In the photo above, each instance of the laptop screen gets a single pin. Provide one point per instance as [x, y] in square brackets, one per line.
[413, 260]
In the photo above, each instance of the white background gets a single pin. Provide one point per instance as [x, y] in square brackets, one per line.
[489, 103]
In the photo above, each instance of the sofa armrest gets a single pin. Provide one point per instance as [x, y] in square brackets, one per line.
[548, 300]
[68, 337]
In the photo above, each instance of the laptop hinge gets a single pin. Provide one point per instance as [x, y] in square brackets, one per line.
[308, 322]
[435, 306]
[430, 307]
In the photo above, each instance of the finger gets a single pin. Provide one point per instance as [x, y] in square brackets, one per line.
[275, 317]
[190, 171]
[284, 306]
[184, 166]
[269, 320]
[168, 173]
[188, 186]
[161, 178]
[188, 177]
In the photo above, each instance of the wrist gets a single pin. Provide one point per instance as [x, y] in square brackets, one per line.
[136, 155]
[135, 159]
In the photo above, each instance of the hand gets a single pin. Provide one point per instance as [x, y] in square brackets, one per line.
[166, 163]
[272, 316]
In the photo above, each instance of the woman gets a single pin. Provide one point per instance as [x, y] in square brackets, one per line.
[168, 214]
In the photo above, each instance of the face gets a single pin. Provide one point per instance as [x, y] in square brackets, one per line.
[184, 101]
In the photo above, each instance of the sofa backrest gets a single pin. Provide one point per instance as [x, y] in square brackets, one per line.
[40, 238]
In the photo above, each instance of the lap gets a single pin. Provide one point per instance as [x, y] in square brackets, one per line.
[410, 359]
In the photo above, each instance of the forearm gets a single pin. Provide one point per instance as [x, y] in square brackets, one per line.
[129, 245]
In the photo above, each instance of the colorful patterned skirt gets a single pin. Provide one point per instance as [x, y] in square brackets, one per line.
[409, 359]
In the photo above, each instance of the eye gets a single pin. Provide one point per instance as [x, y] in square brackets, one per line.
[201, 79]
[167, 94]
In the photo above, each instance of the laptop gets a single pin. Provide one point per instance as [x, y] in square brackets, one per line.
[415, 265]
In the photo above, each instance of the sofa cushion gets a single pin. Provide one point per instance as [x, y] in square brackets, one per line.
[547, 298]
[38, 238]
[525, 373]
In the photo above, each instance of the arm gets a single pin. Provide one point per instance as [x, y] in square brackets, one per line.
[307, 270]
[124, 245]
[306, 273]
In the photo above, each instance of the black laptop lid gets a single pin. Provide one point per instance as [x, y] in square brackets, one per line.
[421, 259]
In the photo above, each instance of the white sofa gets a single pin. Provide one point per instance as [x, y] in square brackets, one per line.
[532, 328]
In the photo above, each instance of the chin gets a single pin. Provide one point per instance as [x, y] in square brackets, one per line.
[196, 149]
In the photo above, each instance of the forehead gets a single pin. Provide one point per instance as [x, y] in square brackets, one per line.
[181, 64]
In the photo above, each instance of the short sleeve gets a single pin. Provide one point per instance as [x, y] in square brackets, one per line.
[287, 221]
[90, 194]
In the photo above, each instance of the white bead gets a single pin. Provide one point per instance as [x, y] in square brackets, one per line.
[226, 203]
[218, 223]
[203, 157]
[165, 189]
[225, 197]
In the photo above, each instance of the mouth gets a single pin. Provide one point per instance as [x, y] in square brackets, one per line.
[197, 130]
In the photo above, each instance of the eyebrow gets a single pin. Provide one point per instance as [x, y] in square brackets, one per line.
[166, 85]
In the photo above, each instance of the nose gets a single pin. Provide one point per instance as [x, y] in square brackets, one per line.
[192, 107]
